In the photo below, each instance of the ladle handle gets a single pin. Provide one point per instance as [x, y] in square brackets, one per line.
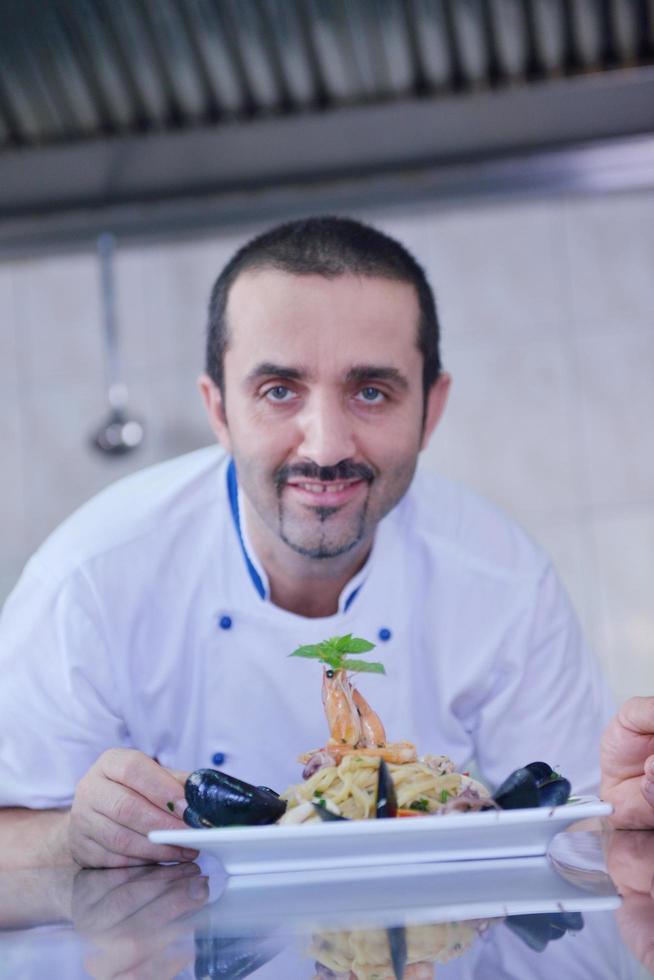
[116, 387]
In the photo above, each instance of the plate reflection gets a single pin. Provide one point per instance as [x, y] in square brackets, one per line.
[511, 919]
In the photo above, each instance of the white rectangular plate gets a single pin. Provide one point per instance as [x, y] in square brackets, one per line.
[366, 843]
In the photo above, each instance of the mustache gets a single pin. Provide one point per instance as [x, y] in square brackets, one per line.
[346, 469]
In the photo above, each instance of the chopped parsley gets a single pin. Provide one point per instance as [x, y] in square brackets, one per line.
[421, 804]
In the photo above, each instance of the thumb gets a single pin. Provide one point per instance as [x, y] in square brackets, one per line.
[637, 715]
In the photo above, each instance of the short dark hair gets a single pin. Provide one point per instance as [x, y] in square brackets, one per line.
[326, 246]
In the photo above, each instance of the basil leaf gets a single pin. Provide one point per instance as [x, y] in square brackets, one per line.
[313, 651]
[332, 652]
[359, 645]
[363, 667]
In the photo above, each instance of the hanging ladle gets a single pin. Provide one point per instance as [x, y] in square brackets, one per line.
[119, 433]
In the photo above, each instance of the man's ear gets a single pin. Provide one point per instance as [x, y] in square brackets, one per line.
[215, 408]
[436, 402]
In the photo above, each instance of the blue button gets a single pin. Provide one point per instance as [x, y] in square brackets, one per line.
[384, 634]
[225, 622]
[218, 758]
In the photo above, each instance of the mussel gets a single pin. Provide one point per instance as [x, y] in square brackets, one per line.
[536, 784]
[397, 943]
[325, 814]
[385, 800]
[231, 959]
[386, 805]
[216, 799]
[536, 931]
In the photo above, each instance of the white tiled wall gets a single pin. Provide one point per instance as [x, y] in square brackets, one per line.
[548, 321]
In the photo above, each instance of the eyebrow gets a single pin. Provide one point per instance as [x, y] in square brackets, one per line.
[374, 372]
[269, 369]
[359, 374]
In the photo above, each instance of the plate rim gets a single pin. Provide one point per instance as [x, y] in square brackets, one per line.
[568, 813]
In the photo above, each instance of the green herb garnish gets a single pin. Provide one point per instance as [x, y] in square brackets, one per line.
[334, 653]
[422, 805]
[171, 806]
[444, 797]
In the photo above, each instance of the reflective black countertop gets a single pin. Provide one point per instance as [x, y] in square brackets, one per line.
[586, 911]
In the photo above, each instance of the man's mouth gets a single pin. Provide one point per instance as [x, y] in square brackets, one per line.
[324, 487]
[333, 494]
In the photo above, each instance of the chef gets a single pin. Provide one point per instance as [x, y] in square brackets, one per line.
[150, 634]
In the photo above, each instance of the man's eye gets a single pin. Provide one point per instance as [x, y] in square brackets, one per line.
[280, 393]
[371, 395]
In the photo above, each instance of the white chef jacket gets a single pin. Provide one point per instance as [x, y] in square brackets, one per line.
[144, 621]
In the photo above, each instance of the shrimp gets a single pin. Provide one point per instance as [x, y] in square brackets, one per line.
[353, 725]
[350, 718]
[342, 715]
[372, 729]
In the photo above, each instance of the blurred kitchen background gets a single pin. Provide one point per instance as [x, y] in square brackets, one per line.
[508, 143]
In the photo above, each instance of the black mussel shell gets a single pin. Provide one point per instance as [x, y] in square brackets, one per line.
[555, 793]
[536, 931]
[518, 790]
[541, 771]
[225, 801]
[397, 942]
[386, 799]
[193, 819]
[231, 959]
[536, 784]
[572, 921]
[326, 814]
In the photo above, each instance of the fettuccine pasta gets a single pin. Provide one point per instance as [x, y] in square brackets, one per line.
[350, 788]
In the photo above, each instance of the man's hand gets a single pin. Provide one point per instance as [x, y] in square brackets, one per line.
[628, 765]
[630, 862]
[137, 920]
[120, 799]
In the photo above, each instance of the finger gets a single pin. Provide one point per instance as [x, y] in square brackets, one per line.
[636, 923]
[123, 899]
[630, 860]
[626, 743]
[88, 853]
[94, 891]
[647, 789]
[162, 914]
[122, 841]
[637, 714]
[127, 807]
[112, 834]
[142, 937]
[136, 770]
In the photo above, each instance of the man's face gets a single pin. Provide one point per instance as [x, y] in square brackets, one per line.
[323, 405]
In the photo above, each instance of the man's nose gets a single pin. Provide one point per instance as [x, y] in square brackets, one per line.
[327, 435]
